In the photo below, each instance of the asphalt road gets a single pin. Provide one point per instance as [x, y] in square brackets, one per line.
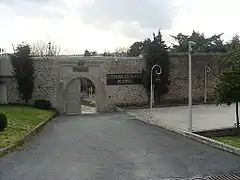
[109, 147]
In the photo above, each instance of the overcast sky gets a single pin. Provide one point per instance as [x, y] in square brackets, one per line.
[101, 25]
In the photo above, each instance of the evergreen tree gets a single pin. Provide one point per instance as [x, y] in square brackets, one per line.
[156, 52]
[23, 71]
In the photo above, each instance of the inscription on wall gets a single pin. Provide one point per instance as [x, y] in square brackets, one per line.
[124, 79]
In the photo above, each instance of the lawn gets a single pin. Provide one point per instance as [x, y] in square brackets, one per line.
[231, 140]
[20, 121]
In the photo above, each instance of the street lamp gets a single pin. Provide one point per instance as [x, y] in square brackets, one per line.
[190, 44]
[61, 82]
[206, 71]
[158, 72]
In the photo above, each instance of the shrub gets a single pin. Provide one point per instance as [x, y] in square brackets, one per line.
[42, 104]
[88, 103]
[3, 121]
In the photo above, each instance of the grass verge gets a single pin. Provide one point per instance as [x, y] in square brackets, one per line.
[21, 120]
[230, 140]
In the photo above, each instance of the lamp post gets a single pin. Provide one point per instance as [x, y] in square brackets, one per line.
[190, 44]
[159, 72]
[206, 71]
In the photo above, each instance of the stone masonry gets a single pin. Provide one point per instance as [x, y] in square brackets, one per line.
[44, 84]
[178, 88]
[47, 80]
[125, 94]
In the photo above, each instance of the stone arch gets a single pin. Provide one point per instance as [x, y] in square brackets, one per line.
[99, 90]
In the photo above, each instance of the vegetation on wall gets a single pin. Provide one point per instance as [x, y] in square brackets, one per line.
[23, 71]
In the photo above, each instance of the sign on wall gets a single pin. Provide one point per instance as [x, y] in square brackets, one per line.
[124, 79]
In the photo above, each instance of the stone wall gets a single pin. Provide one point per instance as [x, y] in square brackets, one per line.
[12, 92]
[178, 88]
[107, 96]
[44, 84]
[124, 94]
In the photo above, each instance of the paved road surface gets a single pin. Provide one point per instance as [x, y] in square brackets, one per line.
[109, 147]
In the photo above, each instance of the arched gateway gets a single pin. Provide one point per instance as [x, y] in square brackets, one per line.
[70, 75]
[72, 95]
[113, 80]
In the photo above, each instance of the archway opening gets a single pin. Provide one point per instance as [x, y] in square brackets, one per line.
[88, 98]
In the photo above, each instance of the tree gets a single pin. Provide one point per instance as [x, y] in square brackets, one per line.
[136, 49]
[228, 82]
[87, 53]
[233, 43]
[23, 71]
[205, 45]
[156, 52]
[120, 52]
[94, 53]
[182, 43]
[106, 53]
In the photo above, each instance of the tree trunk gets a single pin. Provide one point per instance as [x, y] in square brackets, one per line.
[237, 115]
[26, 100]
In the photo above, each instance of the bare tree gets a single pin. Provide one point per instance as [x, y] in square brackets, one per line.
[121, 51]
[45, 49]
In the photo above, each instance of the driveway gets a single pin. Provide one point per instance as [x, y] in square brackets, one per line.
[204, 117]
[109, 147]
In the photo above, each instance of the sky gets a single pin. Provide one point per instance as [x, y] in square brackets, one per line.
[105, 25]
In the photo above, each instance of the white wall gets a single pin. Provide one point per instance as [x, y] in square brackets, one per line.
[5, 66]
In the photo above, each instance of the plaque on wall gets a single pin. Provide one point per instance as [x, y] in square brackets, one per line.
[124, 79]
[80, 69]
